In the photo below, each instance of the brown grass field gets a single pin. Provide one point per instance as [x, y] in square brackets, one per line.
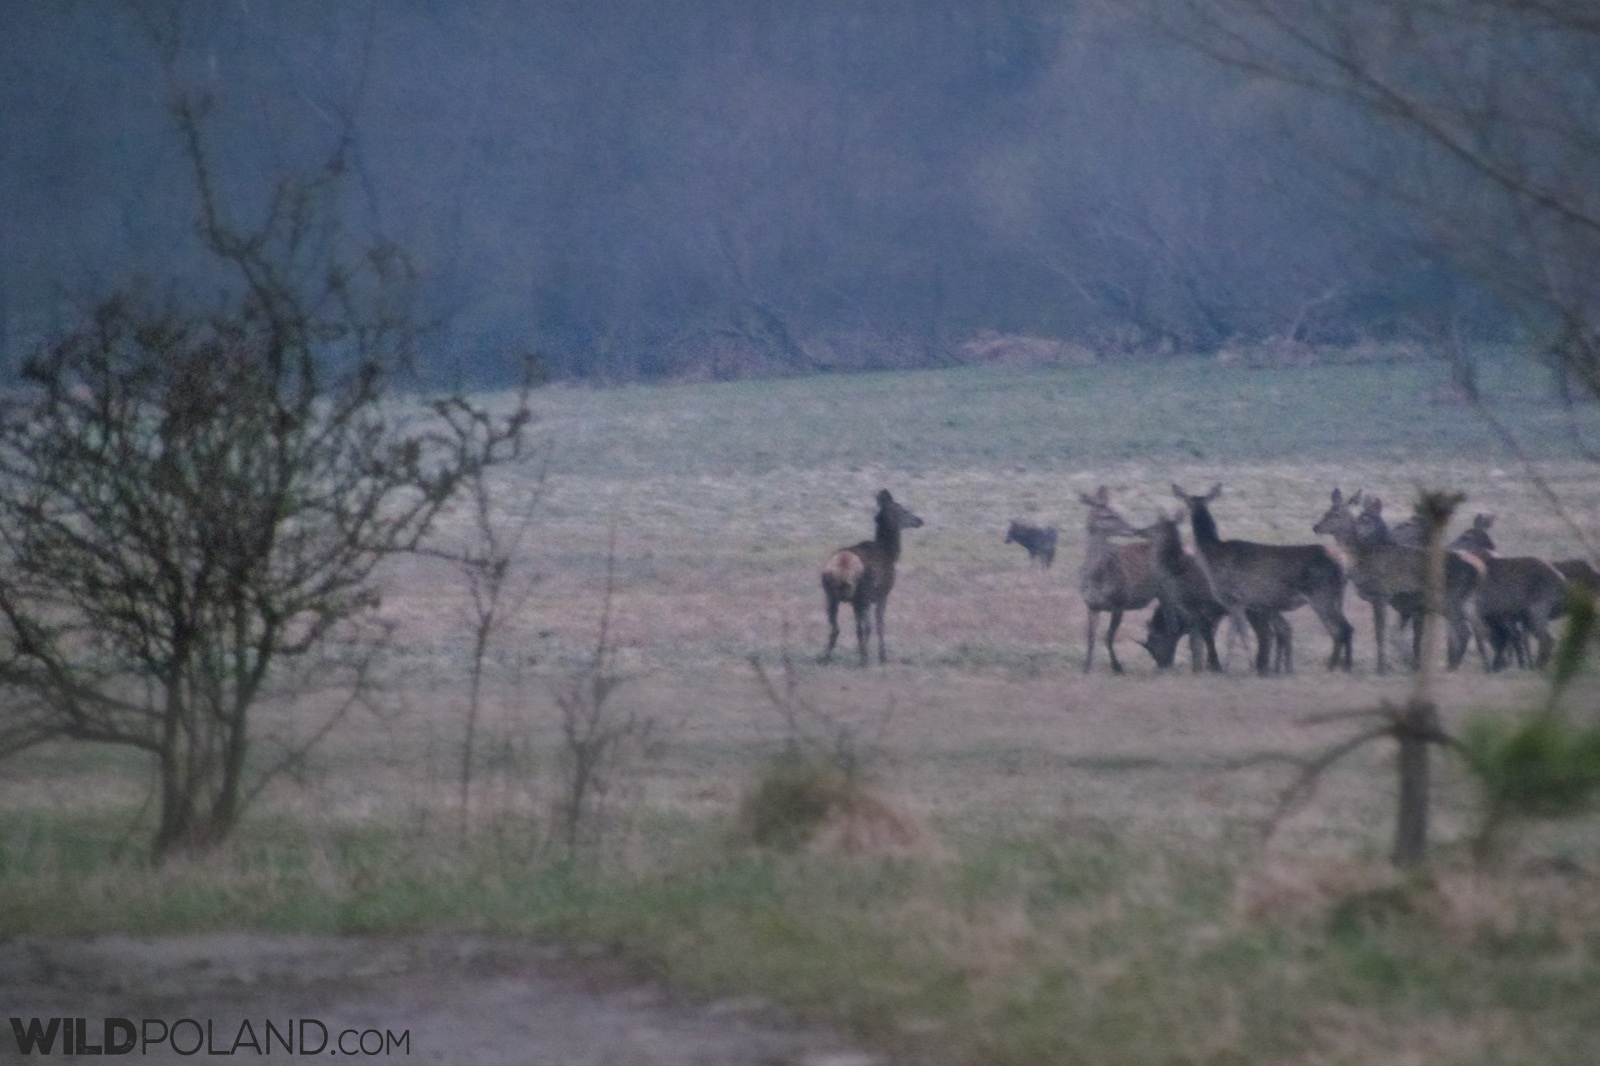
[716, 506]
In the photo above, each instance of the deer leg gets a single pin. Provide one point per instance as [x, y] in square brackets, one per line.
[1237, 637]
[1239, 617]
[833, 628]
[1508, 634]
[1208, 633]
[878, 609]
[1261, 625]
[1111, 636]
[1501, 645]
[1283, 632]
[1460, 635]
[1415, 622]
[1483, 637]
[1088, 640]
[1380, 622]
[1340, 629]
[1546, 642]
[863, 629]
[1501, 632]
[1202, 643]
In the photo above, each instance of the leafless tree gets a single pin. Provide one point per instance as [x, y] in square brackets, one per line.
[1479, 120]
[195, 494]
[598, 738]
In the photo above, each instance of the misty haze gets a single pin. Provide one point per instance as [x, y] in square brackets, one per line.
[723, 189]
[832, 533]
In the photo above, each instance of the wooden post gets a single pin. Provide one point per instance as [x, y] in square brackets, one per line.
[1417, 725]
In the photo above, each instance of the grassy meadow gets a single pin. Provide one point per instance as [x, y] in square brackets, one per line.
[1081, 875]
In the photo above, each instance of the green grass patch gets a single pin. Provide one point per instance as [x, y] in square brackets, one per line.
[1045, 947]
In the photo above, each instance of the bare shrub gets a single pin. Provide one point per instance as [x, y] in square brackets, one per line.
[487, 562]
[599, 741]
[195, 494]
[814, 794]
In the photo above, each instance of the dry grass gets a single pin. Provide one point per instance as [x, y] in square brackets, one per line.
[1130, 790]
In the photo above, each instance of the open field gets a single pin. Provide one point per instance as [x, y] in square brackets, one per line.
[1092, 869]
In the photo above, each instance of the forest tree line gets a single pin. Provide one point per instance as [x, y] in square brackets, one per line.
[638, 190]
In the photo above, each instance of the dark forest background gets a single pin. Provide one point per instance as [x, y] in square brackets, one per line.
[639, 189]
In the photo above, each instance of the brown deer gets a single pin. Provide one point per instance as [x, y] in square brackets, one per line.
[1186, 607]
[1519, 594]
[1245, 575]
[1371, 528]
[1409, 533]
[863, 575]
[1386, 574]
[1040, 541]
[1114, 577]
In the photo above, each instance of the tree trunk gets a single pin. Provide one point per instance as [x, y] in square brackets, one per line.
[1417, 728]
[200, 791]
[1417, 725]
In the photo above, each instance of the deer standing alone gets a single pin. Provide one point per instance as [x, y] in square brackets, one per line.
[863, 575]
[1114, 577]
[1270, 577]
[1386, 574]
[1040, 541]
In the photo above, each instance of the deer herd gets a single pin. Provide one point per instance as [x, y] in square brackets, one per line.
[1493, 602]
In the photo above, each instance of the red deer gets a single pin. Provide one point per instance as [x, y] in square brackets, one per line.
[1386, 574]
[1114, 577]
[863, 575]
[1371, 528]
[1186, 607]
[1409, 533]
[1040, 541]
[1519, 594]
[1270, 577]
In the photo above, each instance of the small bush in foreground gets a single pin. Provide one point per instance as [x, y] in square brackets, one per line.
[789, 802]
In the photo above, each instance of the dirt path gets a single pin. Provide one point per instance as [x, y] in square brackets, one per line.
[460, 999]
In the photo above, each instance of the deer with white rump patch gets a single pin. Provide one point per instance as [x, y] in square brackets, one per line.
[863, 575]
[1518, 593]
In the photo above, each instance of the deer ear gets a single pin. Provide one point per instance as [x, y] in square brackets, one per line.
[1179, 493]
[1216, 490]
[1337, 498]
[1483, 521]
[1355, 501]
[1102, 495]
